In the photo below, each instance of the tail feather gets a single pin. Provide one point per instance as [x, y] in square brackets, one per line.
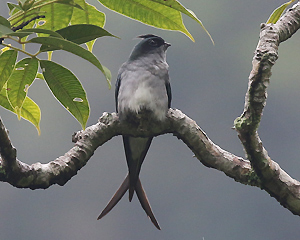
[131, 192]
[116, 197]
[140, 194]
[135, 151]
[145, 203]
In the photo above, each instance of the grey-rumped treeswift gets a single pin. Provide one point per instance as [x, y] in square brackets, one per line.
[142, 87]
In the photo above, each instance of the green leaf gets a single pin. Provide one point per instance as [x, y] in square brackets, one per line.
[4, 30]
[12, 7]
[40, 76]
[71, 47]
[42, 3]
[89, 15]
[19, 16]
[30, 110]
[4, 101]
[4, 22]
[7, 63]
[69, 3]
[21, 2]
[25, 32]
[27, 4]
[276, 14]
[198, 20]
[57, 16]
[90, 45]
[67, 89]
[82, 33]
[179, 7]
[19, 82]
[153, 13]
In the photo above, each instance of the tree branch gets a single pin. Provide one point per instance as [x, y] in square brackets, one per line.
[60, 170]
[273, 179]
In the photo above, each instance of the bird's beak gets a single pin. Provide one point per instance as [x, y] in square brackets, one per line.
[166, 45]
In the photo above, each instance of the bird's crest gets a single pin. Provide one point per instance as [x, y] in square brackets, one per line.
[147, 36]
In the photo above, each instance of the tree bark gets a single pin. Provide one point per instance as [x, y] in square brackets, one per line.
[60, 170]
[273, 179]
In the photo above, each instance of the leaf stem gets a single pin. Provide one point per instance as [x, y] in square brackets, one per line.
[20, 50]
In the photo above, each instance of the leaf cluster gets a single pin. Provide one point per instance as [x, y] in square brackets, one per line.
[65, 25]
[53, 25]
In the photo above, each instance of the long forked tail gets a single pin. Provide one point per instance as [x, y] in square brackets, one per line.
[145, 203]
[116, 197]
[141, 196]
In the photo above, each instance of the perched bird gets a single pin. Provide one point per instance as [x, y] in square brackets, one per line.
[142, 87]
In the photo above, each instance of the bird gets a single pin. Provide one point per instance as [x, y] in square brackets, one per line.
[142, 87]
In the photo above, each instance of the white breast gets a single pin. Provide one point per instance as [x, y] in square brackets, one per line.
[141, 89]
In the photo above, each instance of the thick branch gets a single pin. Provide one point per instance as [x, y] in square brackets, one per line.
[60, 170]
[8, 152]
[273, 179]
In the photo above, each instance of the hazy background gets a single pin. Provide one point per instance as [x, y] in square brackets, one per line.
[189, 200]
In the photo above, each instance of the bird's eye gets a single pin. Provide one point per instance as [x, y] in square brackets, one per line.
[152, 43]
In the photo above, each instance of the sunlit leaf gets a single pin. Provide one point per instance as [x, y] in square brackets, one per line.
[27, 4]
[2, 50]
[71, 47]
[179, 7]
[67, 89]
[70, 3]
[40, 76]
[153, 13]
[19, 81]
[4, 101]
[12, 7]
[89, 15]
[7, 63]
[30, 110]
[19, 17]
[57, 16]
[276, 14]
[90, 45]
[22, 2]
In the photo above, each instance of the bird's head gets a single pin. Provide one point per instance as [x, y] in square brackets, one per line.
[150, 44]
